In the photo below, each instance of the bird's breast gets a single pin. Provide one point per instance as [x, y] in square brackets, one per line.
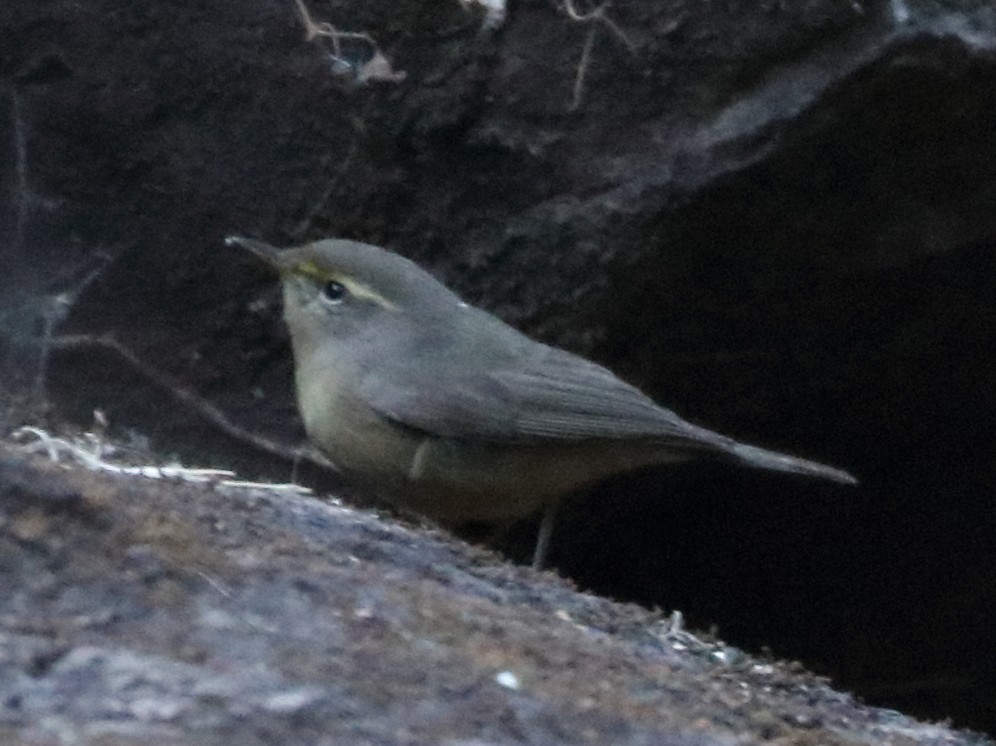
[449, 479]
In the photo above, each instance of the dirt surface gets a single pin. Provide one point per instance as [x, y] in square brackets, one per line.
[151, 611]
[774, 217]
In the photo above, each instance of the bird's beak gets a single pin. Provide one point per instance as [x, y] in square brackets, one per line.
[269, 254]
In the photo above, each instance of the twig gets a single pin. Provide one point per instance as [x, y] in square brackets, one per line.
[21, 171]
[54, 446]
[598, 16]
[582, 70]
[56, 310]
[182, 394]
[313, 30]
[26, 199]
[89, 454]
[594, 17]
[378, 67]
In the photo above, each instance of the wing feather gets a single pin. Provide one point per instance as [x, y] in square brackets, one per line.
[548, 395]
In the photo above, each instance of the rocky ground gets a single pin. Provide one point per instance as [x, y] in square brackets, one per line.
[141, 610]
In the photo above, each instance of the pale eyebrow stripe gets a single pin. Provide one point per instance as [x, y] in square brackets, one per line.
[364, 291]
[359, 289]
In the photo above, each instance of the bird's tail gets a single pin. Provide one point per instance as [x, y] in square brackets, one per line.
[761, 458]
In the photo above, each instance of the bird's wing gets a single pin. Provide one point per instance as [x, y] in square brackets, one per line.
[549, 395]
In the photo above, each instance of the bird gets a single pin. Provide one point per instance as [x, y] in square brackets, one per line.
[440, 408]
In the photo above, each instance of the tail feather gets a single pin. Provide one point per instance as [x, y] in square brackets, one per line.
[763, 459]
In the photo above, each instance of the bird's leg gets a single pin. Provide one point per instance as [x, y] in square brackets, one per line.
[419, 460]
[543, 537]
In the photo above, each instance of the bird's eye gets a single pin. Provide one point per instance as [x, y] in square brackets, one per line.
[334, 292]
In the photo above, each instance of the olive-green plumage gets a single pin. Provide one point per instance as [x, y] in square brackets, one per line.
[443, 409]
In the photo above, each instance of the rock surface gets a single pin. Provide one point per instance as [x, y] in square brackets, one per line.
[150, 611]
